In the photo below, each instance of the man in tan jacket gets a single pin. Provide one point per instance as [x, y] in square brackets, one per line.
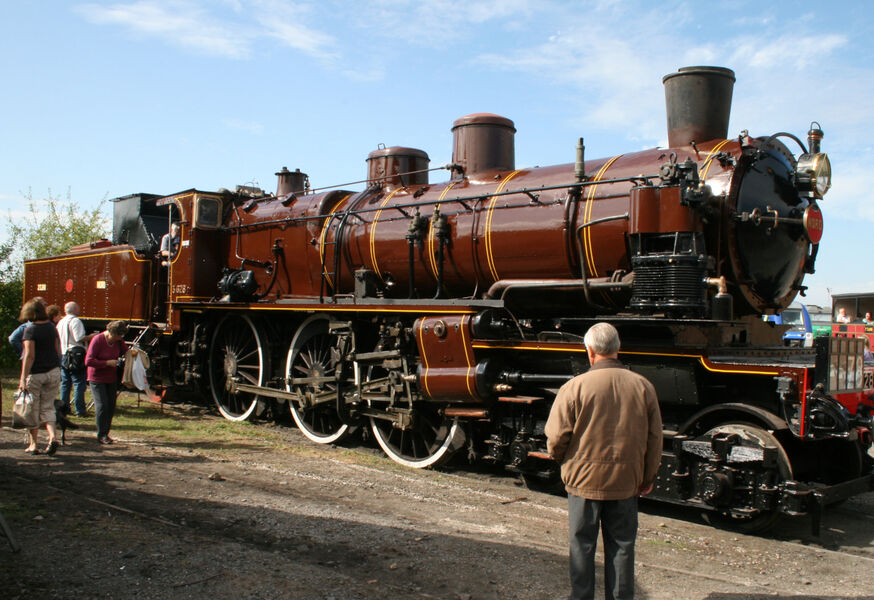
[606, 431]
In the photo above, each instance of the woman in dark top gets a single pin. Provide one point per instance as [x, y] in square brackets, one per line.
[55, 313]
[101, 361]
[40, 370]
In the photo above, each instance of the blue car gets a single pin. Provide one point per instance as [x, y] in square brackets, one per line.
[800, 331]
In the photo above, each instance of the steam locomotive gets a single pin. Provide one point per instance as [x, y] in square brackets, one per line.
[445, 316]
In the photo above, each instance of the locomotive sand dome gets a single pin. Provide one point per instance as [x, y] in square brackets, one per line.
[445, 315]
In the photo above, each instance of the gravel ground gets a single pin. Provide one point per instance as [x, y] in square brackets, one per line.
[141, 519]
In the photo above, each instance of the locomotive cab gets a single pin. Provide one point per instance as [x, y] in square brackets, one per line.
[191, 274]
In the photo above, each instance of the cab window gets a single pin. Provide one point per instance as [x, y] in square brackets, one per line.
[207, 212]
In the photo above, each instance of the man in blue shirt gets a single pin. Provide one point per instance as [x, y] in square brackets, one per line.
[16, 338]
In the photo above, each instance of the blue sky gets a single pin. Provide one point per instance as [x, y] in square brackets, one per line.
[104, 99]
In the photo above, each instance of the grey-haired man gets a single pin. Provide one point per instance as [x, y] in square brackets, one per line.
[72, 332]
[605, 429]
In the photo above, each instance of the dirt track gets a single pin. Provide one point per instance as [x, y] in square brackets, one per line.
[250, 521]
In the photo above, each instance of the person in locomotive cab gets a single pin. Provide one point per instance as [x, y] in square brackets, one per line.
[170, 244]
[842, 317]
[605, 429]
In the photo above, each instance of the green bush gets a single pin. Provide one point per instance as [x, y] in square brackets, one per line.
[52, 226]
[10, 305]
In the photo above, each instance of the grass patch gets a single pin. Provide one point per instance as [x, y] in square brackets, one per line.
[666, 544]
[195, 427]
[172, 425]
[14, 510]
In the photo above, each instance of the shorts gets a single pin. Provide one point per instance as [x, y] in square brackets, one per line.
[44, 389]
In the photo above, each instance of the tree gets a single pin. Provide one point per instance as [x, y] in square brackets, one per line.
[11, 290]
[52, 226]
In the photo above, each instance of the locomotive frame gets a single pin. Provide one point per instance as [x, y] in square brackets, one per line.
[446, 316]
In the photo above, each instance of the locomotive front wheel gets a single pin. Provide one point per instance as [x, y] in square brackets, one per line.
[313, 356]
[238, 352]
[429, 441]
[755, 437]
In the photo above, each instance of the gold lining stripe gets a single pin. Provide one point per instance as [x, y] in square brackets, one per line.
[532, 346]
[171, 296]
[709, 160]
[324, 236]
[127, 319]
[175, 198]
[315, 306]
[432, 252]
[96, 254]
[704, 363]
[488, 232]
[587, 216]
[179, 249]
[423, 354]
[703, 360]
[373, 232]
[467, 358]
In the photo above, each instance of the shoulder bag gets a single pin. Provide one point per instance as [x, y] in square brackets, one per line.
[74, 358]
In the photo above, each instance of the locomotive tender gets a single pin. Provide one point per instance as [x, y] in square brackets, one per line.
[445, 316]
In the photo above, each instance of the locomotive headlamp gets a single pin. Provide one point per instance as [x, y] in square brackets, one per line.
[813, 173]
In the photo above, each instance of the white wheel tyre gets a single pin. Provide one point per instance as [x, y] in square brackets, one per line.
[238, 351]
[310, 355]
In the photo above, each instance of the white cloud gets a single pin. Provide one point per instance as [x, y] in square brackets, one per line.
[284, 21]
[788, 49]
[370, 75]
[295, 36]
[789, 72]
[176, 22]
[437, 23]
[252, 127]
[202, 26]
[488, 10]
[617, 84]
[849, 195]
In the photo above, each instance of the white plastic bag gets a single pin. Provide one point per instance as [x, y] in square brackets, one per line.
[135, 364]
[138, 373]
[24, 413]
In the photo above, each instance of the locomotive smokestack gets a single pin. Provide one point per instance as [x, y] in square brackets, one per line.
[698, 103]
[288, 182]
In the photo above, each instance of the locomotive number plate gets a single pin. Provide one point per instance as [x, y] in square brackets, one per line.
[813, 223]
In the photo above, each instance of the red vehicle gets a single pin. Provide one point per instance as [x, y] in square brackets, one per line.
[856, 307]
[445, 315]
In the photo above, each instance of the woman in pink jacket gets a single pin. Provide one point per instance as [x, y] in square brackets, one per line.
[102, 360]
